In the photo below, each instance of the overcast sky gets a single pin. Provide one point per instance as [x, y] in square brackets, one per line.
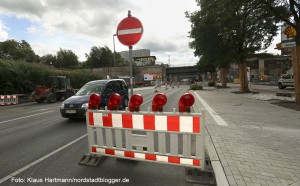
[77, 25]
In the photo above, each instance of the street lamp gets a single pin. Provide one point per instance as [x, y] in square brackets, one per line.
[114, 50]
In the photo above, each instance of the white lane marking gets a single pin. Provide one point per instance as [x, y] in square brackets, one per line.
[26, 117]
[41, 109]
[130, 31]
[39, 160]
[213, 113]
[146, 102]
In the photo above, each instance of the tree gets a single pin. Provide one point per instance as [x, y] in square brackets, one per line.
[99, 57]
[288, 12]
[48, 59]
[16, 50]
[66, 59]
[204, 65]
[248, 28]
[208, 43]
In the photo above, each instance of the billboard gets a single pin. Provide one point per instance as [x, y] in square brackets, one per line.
[152, 76]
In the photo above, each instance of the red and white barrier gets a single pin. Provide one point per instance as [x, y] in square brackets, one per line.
[113, 133]
[148, 157]
[8, 99]
[171, 123]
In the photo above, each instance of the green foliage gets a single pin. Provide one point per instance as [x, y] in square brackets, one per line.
[66, 59]
[16, 50]
[99, 57]
[232, 31]
[103, 57]
[285, 11]
[48, 59]
[18, 77]
[195, 87]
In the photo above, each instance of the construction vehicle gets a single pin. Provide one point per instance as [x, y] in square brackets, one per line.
[59, 88]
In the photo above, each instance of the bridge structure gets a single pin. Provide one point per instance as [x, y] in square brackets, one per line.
[177, 74]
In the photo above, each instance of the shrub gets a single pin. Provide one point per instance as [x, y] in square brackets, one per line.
[20, 77]
[195, 87]
[211, 83]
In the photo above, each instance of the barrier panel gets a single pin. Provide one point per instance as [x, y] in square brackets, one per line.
[173, 138]
[8, 99]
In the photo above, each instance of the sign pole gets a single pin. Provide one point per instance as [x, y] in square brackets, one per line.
[130, 61]
[129, 32]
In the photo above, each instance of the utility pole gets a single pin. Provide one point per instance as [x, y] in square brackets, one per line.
[115, 64]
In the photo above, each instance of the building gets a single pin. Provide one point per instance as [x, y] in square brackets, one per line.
[264, 67]
[135, 53]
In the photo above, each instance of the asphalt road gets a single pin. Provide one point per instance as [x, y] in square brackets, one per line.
[36, 143]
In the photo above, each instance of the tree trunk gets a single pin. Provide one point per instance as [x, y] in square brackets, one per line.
[243, 78]
[223, 77]
[296, 67]
[213, 76]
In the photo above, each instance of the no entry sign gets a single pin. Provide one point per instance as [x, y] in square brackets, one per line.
[130, 30]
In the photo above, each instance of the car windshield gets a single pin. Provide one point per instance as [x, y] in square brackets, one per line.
[91, 88]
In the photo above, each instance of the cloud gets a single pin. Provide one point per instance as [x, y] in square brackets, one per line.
[86, 18]
[33, 29]
[156, 45]
[3, 33]
[80, 24]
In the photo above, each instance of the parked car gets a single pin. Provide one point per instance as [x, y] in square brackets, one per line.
[76, 106]
[286, 81]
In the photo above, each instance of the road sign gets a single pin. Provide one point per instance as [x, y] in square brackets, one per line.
[130, 30]
[290, 44]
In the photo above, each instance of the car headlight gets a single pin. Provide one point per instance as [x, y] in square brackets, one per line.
[85, 105]
[62, 106]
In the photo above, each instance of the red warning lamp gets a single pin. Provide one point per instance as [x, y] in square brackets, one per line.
[94, 101]
[114, 101]
[158, 102]
[185, 102]
[135, 102]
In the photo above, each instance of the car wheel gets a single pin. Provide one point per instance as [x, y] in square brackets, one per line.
[280, 86]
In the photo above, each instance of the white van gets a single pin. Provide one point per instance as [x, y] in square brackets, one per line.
[286, 81]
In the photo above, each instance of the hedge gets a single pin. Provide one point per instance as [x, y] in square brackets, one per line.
[20, 77]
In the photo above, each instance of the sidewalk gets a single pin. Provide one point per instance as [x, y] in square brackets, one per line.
[260, 145]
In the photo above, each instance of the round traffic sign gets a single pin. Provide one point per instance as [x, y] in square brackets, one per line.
[129, 31]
